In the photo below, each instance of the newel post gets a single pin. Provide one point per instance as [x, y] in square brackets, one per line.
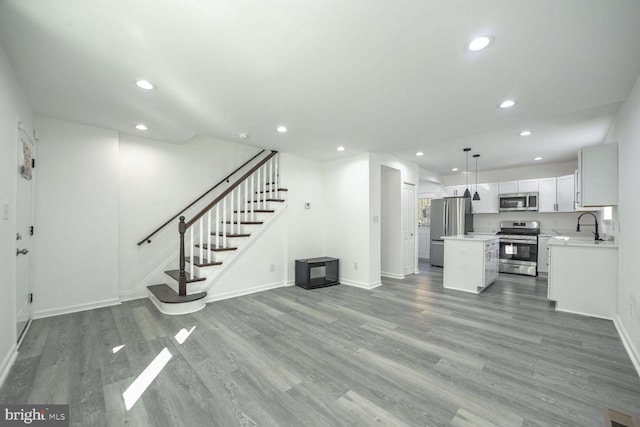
[182, 282]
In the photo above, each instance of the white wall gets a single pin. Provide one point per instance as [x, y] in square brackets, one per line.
[76, 218]
[347, 218]
[409, 173]
[391, 223]
[156, 180]
[13, 108]
[306, 229]
[628, 133]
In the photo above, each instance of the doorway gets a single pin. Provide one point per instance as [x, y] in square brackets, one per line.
[409, 223]
[24, 233]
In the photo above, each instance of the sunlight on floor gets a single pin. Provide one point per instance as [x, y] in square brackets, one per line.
[183, 335]
[117, 348]
[135, 390]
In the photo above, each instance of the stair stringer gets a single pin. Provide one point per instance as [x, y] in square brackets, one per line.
[214, 273]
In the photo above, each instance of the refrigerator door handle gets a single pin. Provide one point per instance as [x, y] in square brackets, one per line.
[446, 218]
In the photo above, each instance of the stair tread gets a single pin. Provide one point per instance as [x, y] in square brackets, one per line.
[268, 200]
[246, 222]
[233, 235]
[202, 262]
[175, 274]
[269, 191]
[258, 211]
[166, 294]
[214, 248]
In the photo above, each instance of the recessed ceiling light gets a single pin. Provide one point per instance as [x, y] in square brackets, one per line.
[454, 169]
[141, 126]
[145, 84]
[341, 148]
[281, 129]
[507, 103]
[537, 158]
[419, 153]
[243, 135]
[479, 43]
[525, 133]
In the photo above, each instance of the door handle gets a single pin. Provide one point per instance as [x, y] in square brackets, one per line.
[21, 252]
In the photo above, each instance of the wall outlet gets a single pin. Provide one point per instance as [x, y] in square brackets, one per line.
[272, 268]
[355, 265]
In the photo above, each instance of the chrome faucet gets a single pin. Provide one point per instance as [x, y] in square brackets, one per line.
[597, 236]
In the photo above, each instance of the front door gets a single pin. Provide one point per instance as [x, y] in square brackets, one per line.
[24, 216]
[409, 228]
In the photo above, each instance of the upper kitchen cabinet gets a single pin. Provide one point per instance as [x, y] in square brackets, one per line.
[523, 186]
[488, 202]
[455, 190]
[597, 177]
[556, 194]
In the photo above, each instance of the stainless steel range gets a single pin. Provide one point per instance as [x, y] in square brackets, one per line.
[519, 247]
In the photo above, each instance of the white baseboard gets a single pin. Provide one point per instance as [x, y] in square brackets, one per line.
[75, 308]
[247, 291]
[392, 275]
[361, 285]
[583, 314]
[7, 363]
[633, 352]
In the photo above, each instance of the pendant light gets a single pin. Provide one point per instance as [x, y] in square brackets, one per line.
[467, 193]
[476, 196]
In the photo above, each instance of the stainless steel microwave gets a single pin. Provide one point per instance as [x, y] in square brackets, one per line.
[518, 202]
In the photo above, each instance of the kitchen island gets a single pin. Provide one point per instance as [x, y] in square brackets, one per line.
[470, 262]
[583, 275]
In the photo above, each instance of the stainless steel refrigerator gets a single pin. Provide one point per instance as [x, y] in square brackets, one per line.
[449, 217]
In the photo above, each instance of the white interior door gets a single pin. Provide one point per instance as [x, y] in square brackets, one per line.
[409, 223]
[24, 215]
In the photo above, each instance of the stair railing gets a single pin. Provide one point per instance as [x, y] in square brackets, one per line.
[222, 181]
[251, 192]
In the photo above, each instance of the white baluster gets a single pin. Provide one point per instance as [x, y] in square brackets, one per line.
[201, 223]
[209, 236]
[264, 187]
[246, 199]
[224, 222]
[253, 194]
[191, 253]
[231, 213]
[275, 178]
[271, 185]
[258, 190]
[218, 225]
[238, 215]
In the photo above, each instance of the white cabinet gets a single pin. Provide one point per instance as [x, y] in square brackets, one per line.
[522, 186]
[528, 186]
[543, 253]
[556, 194]
[565, 194]
[470, 262]
[506, 187]
[597, 177]
[583, 279]
[455, 190]
[488, 202]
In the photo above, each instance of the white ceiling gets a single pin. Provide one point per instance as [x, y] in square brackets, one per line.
[379, 76]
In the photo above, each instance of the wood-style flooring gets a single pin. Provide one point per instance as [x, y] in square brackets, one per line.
[407, 353]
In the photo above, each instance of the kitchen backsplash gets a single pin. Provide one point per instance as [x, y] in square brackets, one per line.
[564, 223]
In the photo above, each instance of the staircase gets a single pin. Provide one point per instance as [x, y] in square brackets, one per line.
[215, 237]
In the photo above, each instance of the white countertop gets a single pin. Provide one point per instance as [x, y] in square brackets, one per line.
[573, 241]
[472, 237]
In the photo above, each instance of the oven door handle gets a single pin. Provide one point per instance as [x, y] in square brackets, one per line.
[526, 242]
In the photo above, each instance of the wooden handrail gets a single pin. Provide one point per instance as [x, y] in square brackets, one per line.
[148, 238]
[228, 190]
